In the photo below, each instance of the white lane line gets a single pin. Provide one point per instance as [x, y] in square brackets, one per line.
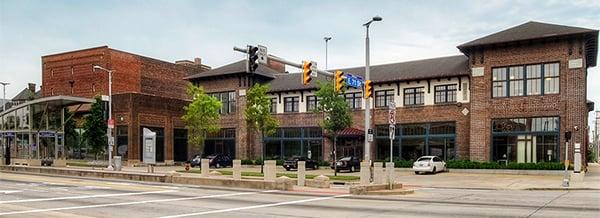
[131, 203]
[9, 191]
[256, 206]
[84, 196]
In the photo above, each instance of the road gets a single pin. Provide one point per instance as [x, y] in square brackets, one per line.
[45, 196]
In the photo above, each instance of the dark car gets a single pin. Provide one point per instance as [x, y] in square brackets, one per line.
[292, 163]
[349, 163]
[217, 161]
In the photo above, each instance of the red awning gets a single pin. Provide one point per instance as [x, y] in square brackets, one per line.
[352, 132]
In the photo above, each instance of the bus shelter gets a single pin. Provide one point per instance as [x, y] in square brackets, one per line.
[32, 133]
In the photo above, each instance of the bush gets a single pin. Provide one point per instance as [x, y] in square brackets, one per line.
[279, 162]
[403, 163]
[247, 162]
[324, 163]
[467, 164]
[258, 161]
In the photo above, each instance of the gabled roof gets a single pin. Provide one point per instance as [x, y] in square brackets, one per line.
[535, 31]
[234, 68]
[25, 95]
[403, 71]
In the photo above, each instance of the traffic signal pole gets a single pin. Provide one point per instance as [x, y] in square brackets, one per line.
[286, 62]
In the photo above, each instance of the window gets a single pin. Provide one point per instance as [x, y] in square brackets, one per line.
[311, 103]
[382, 98]
[551, 75]
[306, 142]
[499, 82]
[273, 105]
[414, 96]
[354, 100]
[525, 140]
[227, 100]
[445, 93]
[291, 104]
[534, 79]
[515, 78]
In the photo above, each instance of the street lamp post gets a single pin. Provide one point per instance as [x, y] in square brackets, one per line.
[327, 38]
[108, 130]
[367, 148]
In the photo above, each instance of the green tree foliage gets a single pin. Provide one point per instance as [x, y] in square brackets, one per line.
[258, 111]
[71, 136]
[95, 128]
[336, 110]
[201, 116]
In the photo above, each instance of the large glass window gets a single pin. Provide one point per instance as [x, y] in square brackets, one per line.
[445, 93]
[311, 103]
[552, 78]
[227, 101]
[525, 140]
[291, 104]
[295, 141]
[534, 79]
[414, 96]
[122, 141]
[354, 100]
[415, 140]
[383, 97]
[220, 142]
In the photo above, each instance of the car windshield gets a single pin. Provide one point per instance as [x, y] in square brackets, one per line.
[345, 159]
[424, 159]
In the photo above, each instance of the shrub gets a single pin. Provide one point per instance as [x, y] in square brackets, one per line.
[324, 163]
[247, 162]
[467, 164]
[258, 161]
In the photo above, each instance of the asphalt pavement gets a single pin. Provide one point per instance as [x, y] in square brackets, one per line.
[24, 195]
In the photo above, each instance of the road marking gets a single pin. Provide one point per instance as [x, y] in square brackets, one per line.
[257, 206]
[132, 203]
[9, 191]
[84, 196]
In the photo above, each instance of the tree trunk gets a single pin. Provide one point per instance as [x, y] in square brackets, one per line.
[262, 151]
[335, 154]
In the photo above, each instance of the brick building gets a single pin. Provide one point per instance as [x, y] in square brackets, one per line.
[511, 96]
[147, 93]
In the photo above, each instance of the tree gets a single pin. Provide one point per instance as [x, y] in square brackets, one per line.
[201, 116]
[337, 114]
[71, 135]
[258, 113]
[95, 128]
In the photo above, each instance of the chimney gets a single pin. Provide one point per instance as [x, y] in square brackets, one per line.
[31, 87]
[198, 61]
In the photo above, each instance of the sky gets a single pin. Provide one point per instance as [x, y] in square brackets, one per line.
[173, 30]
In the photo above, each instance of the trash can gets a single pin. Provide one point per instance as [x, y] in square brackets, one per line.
[117, 162]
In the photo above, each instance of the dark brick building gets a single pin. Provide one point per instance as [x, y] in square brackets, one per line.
[511, 96]
[147, 93]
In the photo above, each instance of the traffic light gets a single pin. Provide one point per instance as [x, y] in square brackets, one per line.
[306, 72]
[368, 89]
[339, 80]
[252, 58]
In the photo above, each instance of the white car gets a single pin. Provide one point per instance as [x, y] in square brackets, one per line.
[430, 164]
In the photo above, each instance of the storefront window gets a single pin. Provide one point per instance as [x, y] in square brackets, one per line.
[525, 140]
[415, 140]
[288, 142]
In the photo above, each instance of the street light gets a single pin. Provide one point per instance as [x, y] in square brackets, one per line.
[4, 84]
[109, 130]
[367, 100]
[327, 38]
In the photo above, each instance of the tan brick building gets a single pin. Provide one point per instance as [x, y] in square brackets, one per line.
[511, 96]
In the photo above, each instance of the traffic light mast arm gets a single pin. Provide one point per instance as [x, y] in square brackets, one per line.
[286, 62]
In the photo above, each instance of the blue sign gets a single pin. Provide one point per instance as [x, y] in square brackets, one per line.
[354, 81]
[46, 134]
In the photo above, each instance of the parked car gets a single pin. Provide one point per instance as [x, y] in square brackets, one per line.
[292, 163]
[349, 163]
[430, 164]
[216, 160]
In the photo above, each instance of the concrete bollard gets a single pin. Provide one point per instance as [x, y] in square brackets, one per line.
[391, 171]
[270, 170]
[301, 172]
[379, 176]
[237, 169]
[204, 167]
[150, 168]
[365, 173]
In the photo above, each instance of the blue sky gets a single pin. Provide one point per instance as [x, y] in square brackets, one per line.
[173, 30]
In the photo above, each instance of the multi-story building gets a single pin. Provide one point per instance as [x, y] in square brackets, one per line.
[511, 96]
[147, 93]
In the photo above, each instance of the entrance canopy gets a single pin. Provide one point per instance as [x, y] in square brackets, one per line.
[36, 126]
[352, 132]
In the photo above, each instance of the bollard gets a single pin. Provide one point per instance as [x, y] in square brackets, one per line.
[270, 170]
[365, 173]
[379, 176]
[389, 168]
[237, 169]
[204, 167]
[150, 168]
[301, 172]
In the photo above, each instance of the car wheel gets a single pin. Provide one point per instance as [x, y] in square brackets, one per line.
[315, 167]
[352, 169]
[218, 165]
[433, 171]
[287, 169]
[417, 172]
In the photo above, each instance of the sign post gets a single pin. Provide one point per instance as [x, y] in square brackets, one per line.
[392, 121]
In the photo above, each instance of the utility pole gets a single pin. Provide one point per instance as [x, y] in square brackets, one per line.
[327, 38]
[109, 129]
[4, 84]
[367, 149]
